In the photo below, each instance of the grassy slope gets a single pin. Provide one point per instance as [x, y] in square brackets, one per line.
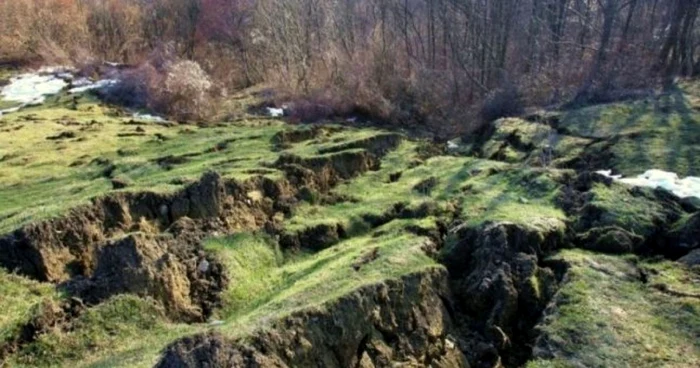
[266, 285]
[38, 181]
[661, 132]
[19, 299]
[41, 179]
[606, 317]
[484, 190]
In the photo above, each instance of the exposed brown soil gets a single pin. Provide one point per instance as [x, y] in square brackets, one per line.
[404, 321]
[150, 244]
[501, 289]
[286, 138]
[321, 173]
[160, 259]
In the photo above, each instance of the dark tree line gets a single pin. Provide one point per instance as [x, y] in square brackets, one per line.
[405, 59]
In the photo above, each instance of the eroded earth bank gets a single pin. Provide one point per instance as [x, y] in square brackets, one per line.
[253, 243]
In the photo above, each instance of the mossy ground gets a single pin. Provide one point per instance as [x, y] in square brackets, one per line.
[660, 132]
[606, 316]
[267, 284]
[20, 297]
[42, 178]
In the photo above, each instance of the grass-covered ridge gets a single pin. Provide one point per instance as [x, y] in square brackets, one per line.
[660, 131]
[268, 284]
[53, 158]
[20, 299]
[361, 227]
[608, 314]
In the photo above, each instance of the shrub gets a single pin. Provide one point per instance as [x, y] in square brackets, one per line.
[505, 102]
[179, 89]
[184, 92]
[133, 89]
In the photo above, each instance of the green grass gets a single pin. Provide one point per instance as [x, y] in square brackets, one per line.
[604, 316]
[266, 286]
[19, 297]
[637, 214]
[661, 132]
[42, 178]
[484, 190]
[125, 331]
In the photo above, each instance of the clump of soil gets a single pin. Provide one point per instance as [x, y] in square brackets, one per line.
[656, 221]
[315, 238]
[62, 135]
[47, 317]
[286, 138]
[324, 172]
[163, 268]
[426, 186]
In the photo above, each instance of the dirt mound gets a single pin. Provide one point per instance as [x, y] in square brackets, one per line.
[404, 321]
[89, 253]
[501, 287]
[58, 249]
[685, 235]
[164, 260]
[184, 280]
[315, 238]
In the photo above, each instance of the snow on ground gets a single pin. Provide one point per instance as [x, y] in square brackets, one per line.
[10, 110]
[275, 112]
[32, 88]
[147, 117]
[83, 85]
[686, 187]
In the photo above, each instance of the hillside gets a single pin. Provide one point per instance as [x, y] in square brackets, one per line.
[133, 242]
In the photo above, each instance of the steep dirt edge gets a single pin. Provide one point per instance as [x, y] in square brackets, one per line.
[501, 287]
[405, 321]
[150, 244]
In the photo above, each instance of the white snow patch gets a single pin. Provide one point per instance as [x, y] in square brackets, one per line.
[608, 173]
[686, 187]
[32, 88]
[147, 117]
[56, 69]
[275, 112]
[453, 145]
[84, 85]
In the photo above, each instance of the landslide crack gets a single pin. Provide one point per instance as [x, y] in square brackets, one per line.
[501, 286]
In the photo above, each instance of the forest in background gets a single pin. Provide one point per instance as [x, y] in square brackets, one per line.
[444, 64]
